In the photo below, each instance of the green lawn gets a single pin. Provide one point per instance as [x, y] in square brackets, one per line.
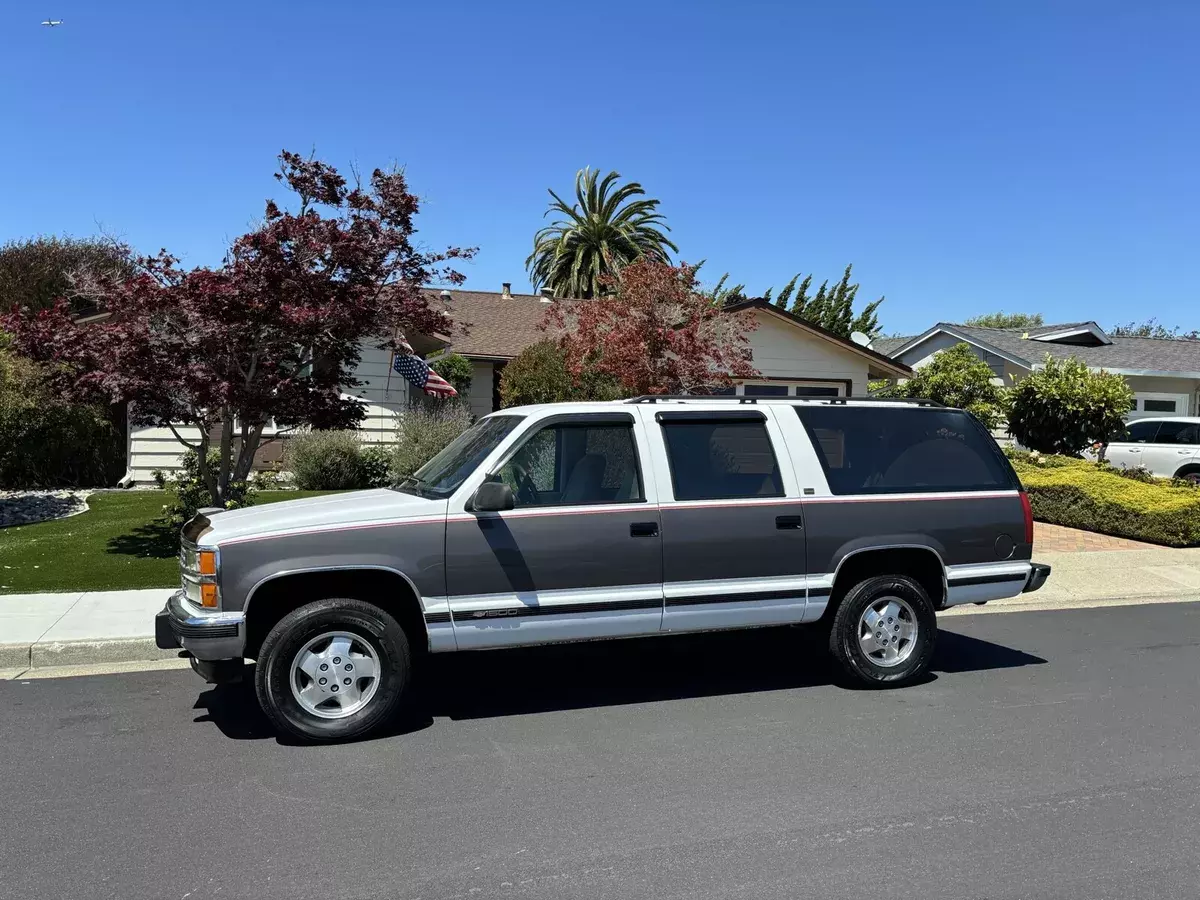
[116, 545]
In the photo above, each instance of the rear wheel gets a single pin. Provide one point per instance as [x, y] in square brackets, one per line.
[333, 670]
[1191, 474]
[884, 631]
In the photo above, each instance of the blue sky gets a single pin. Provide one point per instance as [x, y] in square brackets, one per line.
[1034, 155]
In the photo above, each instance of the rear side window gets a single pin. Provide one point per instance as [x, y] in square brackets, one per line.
[1178, 433]
[880, 450]
[720, 458]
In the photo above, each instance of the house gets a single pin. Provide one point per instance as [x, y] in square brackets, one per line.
[794, 358]
[1164, 374]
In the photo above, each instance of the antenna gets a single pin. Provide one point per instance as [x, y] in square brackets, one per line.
[861, 339]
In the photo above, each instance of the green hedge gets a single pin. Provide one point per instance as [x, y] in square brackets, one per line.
[1081, 494]
[335, 461]
[48, 443]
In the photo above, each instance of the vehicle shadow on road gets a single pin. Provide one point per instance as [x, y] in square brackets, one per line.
[615, 673]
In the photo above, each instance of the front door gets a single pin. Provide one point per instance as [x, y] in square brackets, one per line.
[733, 528]
[580, 555]
[1127, 452]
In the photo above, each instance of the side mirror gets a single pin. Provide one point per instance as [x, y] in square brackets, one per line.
[492, 496]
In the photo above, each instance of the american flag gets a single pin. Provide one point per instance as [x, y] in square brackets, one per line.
[417, 372]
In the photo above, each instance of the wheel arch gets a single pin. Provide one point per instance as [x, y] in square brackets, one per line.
[277, 594]
[1189, 468]
[920, 561]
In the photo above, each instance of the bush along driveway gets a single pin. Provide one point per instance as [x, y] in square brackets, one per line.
[1081, 494]
[120, 543]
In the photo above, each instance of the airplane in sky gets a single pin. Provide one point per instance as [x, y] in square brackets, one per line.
[53, 23]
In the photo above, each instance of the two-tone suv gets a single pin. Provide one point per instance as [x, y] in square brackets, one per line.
[580, 521]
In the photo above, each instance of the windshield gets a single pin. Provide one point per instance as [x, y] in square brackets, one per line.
[445, 472]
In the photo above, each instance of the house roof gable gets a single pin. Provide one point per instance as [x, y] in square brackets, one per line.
[489, 325]
[1125, 355]
[882, 361]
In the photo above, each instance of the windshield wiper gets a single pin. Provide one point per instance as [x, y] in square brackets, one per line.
[414, 485]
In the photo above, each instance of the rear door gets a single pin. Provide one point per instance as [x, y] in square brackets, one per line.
[733, 528]
[1175, 446]
[916, 477]
[1128, 452]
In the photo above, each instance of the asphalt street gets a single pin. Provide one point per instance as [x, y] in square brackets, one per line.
[1051, 754]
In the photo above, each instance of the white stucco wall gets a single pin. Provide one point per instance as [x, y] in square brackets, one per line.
[781, 350]
[479, 396]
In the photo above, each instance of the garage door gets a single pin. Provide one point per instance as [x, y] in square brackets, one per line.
[1150, 404]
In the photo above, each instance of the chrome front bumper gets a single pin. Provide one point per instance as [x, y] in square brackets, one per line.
[205, 635]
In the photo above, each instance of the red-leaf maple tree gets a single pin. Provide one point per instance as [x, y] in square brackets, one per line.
[274, 333]
[655, 332]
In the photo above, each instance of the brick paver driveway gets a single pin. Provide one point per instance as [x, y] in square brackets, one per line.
[1056, 539]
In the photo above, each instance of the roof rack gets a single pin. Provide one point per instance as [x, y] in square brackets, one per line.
[914, 401]
[654, 398]
[735, 398]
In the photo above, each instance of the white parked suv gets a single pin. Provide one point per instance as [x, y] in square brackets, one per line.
[1168, 447]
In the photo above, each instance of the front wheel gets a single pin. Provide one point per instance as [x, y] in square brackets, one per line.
[884, 631]
[333, 670]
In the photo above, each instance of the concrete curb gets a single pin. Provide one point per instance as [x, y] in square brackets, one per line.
[79, 653]
[45, 655]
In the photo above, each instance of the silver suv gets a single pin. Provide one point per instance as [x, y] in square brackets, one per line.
[581, 521]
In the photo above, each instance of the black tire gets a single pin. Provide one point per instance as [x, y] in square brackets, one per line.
[274, 669]
[1189, 474]
[844, 640]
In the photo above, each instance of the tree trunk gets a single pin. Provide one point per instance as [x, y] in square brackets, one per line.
[207, 476]
[251, 440]
[226, 452]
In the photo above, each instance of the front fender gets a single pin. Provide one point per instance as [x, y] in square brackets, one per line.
[416, 552]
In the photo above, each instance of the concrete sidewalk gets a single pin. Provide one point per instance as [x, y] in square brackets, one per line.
[52, 630]
[38, 630]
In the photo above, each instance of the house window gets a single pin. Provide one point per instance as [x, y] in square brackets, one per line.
[1159, 406]
[1148, 403]
[765, 390]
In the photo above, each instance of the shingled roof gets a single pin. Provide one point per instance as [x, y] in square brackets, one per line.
[492, 326]
[1123, 354]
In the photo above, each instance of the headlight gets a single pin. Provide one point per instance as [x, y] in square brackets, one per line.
[199, 576]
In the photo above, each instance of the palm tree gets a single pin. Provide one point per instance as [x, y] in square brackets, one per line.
[597, 236]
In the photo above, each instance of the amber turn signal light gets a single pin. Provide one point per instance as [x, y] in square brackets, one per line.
[208, 596]
[208, 562]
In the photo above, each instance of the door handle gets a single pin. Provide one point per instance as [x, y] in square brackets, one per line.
[789, 522]
[643, 529]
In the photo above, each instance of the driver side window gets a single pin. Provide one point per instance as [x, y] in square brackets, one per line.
[574, 464]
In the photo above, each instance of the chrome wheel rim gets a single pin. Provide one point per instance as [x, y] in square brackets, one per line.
[335, 675]
[887, 631]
